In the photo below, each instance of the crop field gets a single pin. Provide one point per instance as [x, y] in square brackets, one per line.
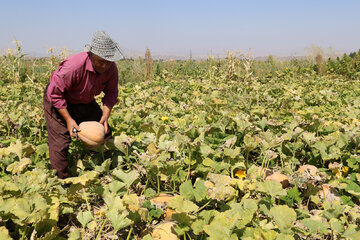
[214, 149]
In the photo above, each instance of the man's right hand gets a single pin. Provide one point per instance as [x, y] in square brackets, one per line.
[70, 122]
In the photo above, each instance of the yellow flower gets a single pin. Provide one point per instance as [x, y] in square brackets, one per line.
[345, 169]
[240, 174]
[337, 173]
[164, 118]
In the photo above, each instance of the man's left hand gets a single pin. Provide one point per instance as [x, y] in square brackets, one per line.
[104, 121]
[105, 117]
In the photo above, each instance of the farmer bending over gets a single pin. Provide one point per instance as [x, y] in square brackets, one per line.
[69, 97]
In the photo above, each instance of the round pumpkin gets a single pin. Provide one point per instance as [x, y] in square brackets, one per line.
[92, 133]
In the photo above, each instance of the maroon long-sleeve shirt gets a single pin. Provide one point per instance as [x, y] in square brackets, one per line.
[75, 81]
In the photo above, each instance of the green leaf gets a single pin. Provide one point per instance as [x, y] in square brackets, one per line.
[187, 190]
[132, 202]
[353, 189]
[315, 226]
[83, 179]
[119, 221]
[352, 232]
[202, 219]
[18, 166]
[8, 186]
[183, 218]
[244, 216]
[113, 202]
[293, 195]
[342, 140]
[206, 150]
[115, 186]
[284, 217]
[232, 153]
[200, 191]
[74, 235]
[53, 234]
[4, 233]
[336, 225]
[21, 209]
[147, 237]
[42, 149]
[283, 236]
[180, 204]
[258, 234]
[271, 187]
[220, 189]
[309, 137]
[149, 192]
[333, 210]
[105, 166]
[20, 149]
[156, 213]
[321, 146]
[123, 142]
[128, 178]
[221, 227]
[84, 218]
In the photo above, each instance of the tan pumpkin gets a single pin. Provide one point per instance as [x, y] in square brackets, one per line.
[92, 133]
[164, 231]
[281, 178]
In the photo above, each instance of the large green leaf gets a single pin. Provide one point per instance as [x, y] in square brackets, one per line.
[284, 217]
[232, 153]
[221, 227]
[206, 150]
[123, 142]
[83, 179]
[118, 220]
[258, 234]
[199, 192]
[219, 187]
[127, 177]
[84, 218]
[180, 204]
[18, 166]
[4, 233]
[20, 149]
[272, 188]
[315, 226]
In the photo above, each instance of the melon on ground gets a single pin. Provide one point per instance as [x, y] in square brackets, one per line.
[92, 133]
[278, 177]
[164, 231]
[312, 170]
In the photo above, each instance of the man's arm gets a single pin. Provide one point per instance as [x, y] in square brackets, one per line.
[105, 117]
[70, 122]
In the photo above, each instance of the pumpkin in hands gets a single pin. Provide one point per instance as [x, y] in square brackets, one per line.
[92, 133]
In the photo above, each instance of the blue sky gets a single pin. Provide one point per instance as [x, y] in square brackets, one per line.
[203, 27]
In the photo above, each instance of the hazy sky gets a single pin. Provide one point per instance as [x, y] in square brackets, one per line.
[174, 27]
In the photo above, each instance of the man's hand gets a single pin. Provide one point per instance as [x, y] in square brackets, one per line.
[70, 122]
[105, 117]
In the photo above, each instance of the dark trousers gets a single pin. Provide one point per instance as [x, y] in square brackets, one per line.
[58, 135]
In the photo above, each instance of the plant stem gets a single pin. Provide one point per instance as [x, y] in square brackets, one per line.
[188, 175]
[131, 229]
[101, 228]
[87, 202]
[203, 206]
[158, 184]
[142, 192]
[247, 159]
